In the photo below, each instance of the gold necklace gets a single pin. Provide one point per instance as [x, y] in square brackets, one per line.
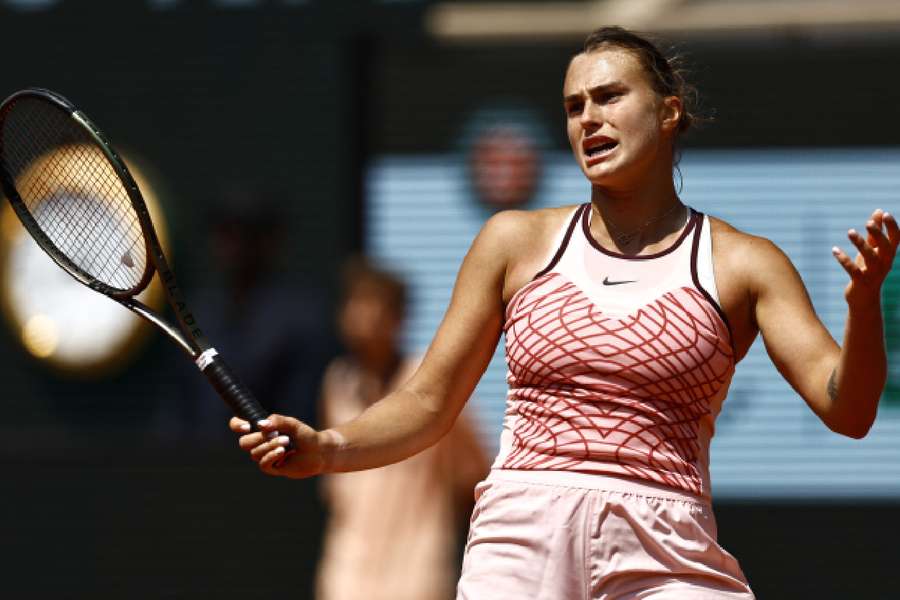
[623, 239]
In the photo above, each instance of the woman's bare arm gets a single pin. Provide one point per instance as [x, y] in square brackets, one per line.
[841, 384]
[421, 411]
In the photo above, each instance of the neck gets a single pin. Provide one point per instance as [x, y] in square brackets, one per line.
[632, 218]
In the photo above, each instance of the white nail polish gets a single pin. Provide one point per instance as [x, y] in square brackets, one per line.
[263, 423]
[283, 440]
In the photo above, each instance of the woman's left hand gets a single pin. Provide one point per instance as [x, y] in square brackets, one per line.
[872, 264]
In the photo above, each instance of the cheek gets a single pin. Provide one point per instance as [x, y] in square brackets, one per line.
[642, 126]
[574, 144]
[572, 132]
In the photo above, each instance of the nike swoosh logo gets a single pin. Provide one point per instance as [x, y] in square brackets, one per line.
[606, 281]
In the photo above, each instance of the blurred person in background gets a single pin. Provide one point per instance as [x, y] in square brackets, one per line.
[272, 321]
[624, 319]
[392, 531]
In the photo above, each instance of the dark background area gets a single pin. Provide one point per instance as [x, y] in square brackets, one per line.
[103, 498]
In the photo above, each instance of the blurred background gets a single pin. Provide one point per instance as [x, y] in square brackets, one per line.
[279, 138]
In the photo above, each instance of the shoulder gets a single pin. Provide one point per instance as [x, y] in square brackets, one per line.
[741, 254]
[525, 240]
[512, 228]
[341, 372]
[338, 400]
[731, 242]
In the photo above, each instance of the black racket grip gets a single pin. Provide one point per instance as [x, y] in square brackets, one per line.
[236, 395]
[233, 392]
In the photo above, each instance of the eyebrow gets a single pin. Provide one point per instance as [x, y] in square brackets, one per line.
[595, 90]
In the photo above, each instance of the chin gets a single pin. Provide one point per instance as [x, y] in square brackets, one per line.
[599, 177]
[612, 173]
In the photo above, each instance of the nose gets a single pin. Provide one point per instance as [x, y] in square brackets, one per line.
[591, 117]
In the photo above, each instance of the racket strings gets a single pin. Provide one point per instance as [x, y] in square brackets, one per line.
[68, 217]
[90, 213]
[73, 193]
[85, 214]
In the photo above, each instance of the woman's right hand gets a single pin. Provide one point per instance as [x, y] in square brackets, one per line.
[267, 446]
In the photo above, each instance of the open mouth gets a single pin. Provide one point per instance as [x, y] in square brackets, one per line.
[600, 149]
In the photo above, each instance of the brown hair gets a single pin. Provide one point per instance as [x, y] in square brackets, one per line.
[360, 274]
[668, 75]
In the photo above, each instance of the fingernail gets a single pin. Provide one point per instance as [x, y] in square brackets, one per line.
[278, 450]
[283, 440]
[263, 423]
[244, 427]
[835, 250]
[888, 215]
[851, 232]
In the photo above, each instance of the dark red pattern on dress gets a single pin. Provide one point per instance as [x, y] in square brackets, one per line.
[622, 396]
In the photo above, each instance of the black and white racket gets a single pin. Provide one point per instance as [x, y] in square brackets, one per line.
[76, 198]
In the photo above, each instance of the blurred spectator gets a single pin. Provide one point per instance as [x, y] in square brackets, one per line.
[271, 328]
[392, 531]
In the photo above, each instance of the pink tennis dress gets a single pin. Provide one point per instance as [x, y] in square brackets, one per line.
[617, 368]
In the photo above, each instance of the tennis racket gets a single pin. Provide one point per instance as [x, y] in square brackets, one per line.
[76, 198]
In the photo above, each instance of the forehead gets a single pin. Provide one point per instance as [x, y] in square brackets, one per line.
[602, 67]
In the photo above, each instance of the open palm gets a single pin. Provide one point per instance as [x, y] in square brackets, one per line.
[873, 262]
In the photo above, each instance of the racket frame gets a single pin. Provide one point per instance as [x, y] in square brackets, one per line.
[188, 334]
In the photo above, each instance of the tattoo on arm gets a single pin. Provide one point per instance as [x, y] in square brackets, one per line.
[832, 386]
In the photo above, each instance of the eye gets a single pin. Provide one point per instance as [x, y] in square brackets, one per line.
[574, 108]
[610, 97]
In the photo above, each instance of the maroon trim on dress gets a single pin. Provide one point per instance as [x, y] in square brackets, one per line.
[695, 247]
[586, 227]
[562, 245]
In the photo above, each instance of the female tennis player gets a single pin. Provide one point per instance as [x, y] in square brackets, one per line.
[624, 318]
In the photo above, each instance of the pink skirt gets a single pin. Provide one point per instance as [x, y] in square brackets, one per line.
[554, 535]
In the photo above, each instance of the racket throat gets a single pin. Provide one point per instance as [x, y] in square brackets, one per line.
[173, 332]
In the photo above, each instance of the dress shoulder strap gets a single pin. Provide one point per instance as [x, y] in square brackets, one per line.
[564, 242]
[702, 270]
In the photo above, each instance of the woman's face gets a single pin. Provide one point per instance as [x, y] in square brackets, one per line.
[619, 127]
[368, 322]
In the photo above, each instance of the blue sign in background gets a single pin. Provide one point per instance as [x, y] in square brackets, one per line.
[421, 219]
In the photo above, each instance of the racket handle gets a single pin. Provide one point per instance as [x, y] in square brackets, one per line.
[235, 394]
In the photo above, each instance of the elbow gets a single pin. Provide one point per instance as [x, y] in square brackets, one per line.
[856, 433]
[434, 414]
[852, 413]
[857, 429]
